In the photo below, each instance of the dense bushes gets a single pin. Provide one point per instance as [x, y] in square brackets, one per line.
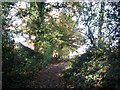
[26, 60]
[20, 64]
[29, 61]
[113, 74]
[94, 69]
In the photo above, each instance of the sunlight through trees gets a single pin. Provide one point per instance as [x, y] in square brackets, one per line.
[36, 34]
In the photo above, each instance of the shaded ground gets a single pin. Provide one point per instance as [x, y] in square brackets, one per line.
[50, 77]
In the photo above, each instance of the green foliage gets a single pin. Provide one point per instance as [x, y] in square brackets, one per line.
[113, 75]
[57, 30]
[23, 60]
[65, 52]
[89, 70]
[47, 52]
[28, 61]
[7, 53]
[54, 34]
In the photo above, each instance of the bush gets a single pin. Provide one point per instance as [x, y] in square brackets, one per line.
[89, 70]
[27, 61]
[7, 54]
[113, 74]
[20, 64]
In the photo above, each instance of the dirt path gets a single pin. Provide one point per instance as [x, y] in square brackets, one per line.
[50, 77]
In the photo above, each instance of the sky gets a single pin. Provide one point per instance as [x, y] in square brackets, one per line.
[21, 39]
[18, 22]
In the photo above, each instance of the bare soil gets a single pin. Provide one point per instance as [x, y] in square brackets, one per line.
[50, 77]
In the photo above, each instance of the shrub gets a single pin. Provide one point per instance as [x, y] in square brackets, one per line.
[89, 70]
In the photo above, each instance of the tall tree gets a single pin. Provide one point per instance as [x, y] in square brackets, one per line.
[55, 29]
[101, 22]
[89, 20]
[113, 22]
